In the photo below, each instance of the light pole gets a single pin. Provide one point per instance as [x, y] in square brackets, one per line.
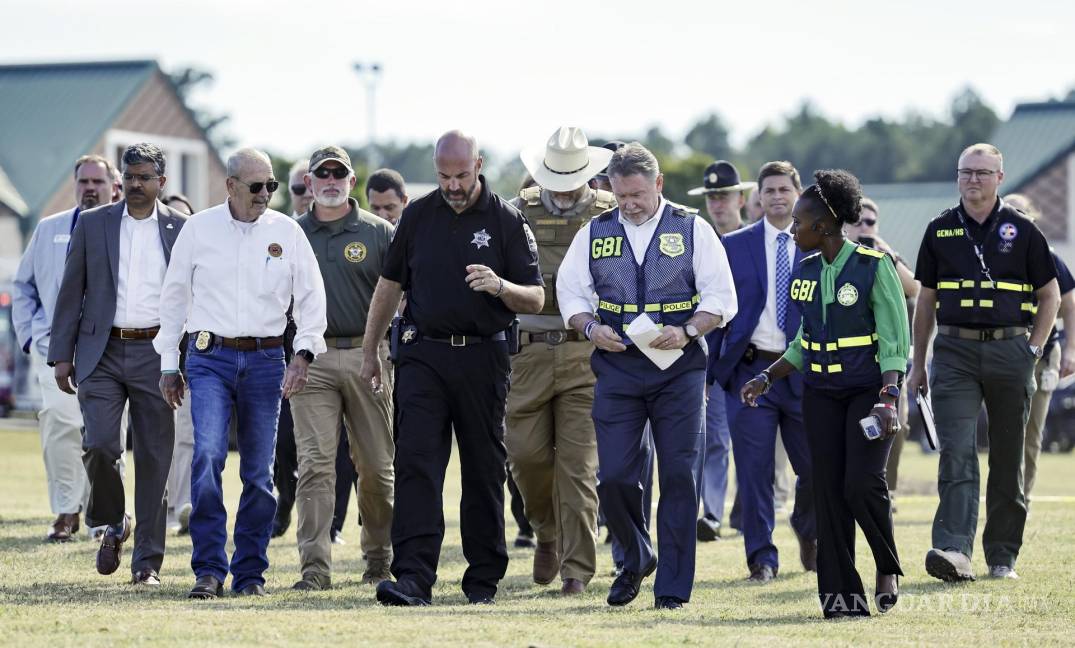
[370, 74]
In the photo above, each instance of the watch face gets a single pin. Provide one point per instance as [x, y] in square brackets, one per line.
[691, 330]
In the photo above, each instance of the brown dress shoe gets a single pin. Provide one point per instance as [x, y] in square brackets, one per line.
[572, 587]
[64, 528]
[111, 549]
[546, 563]
[807, 552]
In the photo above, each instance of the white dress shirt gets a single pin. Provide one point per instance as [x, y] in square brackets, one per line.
[712, 276]
[237, 281]
[141, 271]
[768, 336]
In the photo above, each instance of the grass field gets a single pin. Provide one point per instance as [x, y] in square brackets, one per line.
[51, 594]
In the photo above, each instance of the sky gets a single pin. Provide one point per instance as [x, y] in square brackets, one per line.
[511, 72]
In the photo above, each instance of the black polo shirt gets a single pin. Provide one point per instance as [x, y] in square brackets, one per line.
[429, 255]
[1012, 245]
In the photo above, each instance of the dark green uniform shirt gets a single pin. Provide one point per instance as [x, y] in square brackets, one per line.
[350, 252]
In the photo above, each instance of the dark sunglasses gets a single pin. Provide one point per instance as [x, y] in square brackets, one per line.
[255, 187]
[868, 222]
[339, 172]
[298, 190]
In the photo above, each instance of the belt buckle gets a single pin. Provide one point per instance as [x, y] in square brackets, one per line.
[554, 338]
[989, 335]
[462, 340]
[123, 334]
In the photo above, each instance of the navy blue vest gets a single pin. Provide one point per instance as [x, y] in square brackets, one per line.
[840, 352]
[662, 287]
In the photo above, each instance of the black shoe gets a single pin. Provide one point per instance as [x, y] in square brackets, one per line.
[253, 589]
[761, 573]
[400, 593]
[886, 592]
[668, 603]
[625, 588]
[481, 599]
[708, 529]
[206, 587]
[524, 540]
[280, 524]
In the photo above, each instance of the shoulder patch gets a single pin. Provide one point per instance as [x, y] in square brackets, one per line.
[877, 254]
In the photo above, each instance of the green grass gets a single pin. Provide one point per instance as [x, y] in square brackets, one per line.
[51, 594]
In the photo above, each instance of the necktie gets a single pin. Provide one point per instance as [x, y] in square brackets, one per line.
[783, 279]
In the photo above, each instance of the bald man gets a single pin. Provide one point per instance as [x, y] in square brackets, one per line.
[469, 263]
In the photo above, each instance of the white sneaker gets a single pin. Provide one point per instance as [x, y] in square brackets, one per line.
[1002, 571]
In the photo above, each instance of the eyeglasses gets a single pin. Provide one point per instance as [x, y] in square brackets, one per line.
[980, 174]
[868, 222]
[298, 190]
[339, 172]
[141, 177]
[256, 187]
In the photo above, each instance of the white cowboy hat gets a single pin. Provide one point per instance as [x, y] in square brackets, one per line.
[566, 162]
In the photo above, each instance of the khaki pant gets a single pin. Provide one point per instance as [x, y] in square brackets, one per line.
[60, 421]
[1035, 425]
[334, 390]
[552, 449]
[182, 456]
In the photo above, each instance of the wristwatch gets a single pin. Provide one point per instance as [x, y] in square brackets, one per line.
[692, 332]
[306, 355]
[1036, 350]
[892, 391]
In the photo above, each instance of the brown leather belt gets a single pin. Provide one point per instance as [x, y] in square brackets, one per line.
[135, 334]
[982, 335]
[753, 353]
[250, 343]
[344, 342]
[552, 338]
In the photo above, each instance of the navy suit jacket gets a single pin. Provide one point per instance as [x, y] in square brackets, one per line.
[746, 256]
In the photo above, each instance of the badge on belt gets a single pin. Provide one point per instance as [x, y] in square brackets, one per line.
[409, 335]
[203, 340]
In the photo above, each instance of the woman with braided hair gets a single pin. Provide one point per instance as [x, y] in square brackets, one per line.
[852, 348]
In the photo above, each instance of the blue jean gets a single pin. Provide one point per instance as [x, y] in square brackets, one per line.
[251, 382]
[718, 444]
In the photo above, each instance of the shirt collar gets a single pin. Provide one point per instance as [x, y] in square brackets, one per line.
[841, 257]
[480, 205]
[152, 216]
[349, 221]
[771, 232]
[988, 219]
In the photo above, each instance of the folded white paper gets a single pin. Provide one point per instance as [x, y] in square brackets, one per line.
[642, 331]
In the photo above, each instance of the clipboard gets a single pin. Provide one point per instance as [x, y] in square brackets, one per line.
[925, 409]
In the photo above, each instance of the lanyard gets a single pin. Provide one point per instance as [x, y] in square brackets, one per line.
[978, 248]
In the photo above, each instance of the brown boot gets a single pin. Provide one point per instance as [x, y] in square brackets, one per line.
[64, 528]
[546, 563]
[572, 587]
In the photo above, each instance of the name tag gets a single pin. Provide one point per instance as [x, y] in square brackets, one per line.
[61, 238]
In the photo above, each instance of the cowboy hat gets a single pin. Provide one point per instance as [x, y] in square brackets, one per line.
[720, 177]
[566, 162]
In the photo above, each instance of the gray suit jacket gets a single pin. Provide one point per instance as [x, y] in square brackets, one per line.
[37, 281]
[86, 305]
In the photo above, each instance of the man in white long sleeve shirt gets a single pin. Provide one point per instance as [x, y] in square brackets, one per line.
[234, 270]
[649, 257]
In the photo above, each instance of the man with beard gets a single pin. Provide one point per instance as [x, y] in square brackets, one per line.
[468, 263]
[36, 285]
[550, 439]
[107, 313]
[350, 245]
[234, 271]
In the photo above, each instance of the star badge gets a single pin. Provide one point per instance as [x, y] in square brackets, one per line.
[481, 239]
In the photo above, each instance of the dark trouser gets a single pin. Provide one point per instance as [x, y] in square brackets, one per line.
[647, 495]
[129, 371]
[285, 473]
[753, 431]
[250, 382]
[631, 390]
[963, 373]
[518, 509]
[849, 487]
[440, 387]
[346, 482]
